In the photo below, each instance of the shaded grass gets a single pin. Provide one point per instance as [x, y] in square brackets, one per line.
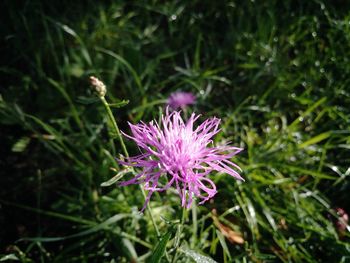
[277, 75]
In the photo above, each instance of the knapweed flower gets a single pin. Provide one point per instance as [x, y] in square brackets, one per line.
[180, 99]
[342, 221]
[176, 153]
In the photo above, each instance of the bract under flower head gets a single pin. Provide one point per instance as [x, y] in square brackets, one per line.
[180, 99]
[182, 155]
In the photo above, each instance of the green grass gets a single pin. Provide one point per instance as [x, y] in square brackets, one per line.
[275, 72]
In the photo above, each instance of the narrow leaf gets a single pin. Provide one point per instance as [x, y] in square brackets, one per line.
[21, 144]
[315, 139]
[116, 178]
[102, 226]
[129, 249]
[160, 248]
[119, 104]
[9, 257]
[198, 258]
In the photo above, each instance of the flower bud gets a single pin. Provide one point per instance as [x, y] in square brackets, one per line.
[99, 86]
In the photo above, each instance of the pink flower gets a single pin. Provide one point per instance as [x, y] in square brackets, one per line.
[342, 221]
[180, 99]
[177, 154]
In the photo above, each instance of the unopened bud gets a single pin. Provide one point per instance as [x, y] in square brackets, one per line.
[99, 86]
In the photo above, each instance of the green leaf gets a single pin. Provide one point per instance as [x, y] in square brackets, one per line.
[315, 139]
[313, 173]
[21, 144]
[98, 227]
[129, 249]
[148, 105]
[308, 111]
[116, 178]
[198, 258]
[160, 248]
[223, 244]
[9, 257]
[119, 104]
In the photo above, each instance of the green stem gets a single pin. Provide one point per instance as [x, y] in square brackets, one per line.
[178, 235]
[149, 210]
[194, 224]
[115, 126]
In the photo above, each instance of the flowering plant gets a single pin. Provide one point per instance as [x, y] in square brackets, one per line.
[182, 155]
[181, 99]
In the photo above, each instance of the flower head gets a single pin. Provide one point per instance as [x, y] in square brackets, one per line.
[99, 86]
[180, 99]
[176, 153]
[342, 221]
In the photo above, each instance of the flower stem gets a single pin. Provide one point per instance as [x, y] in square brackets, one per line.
[194, 224]
[178, 234]
[149, 210]
[115, 127]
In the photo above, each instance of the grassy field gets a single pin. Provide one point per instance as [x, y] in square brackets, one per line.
[276, 72]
